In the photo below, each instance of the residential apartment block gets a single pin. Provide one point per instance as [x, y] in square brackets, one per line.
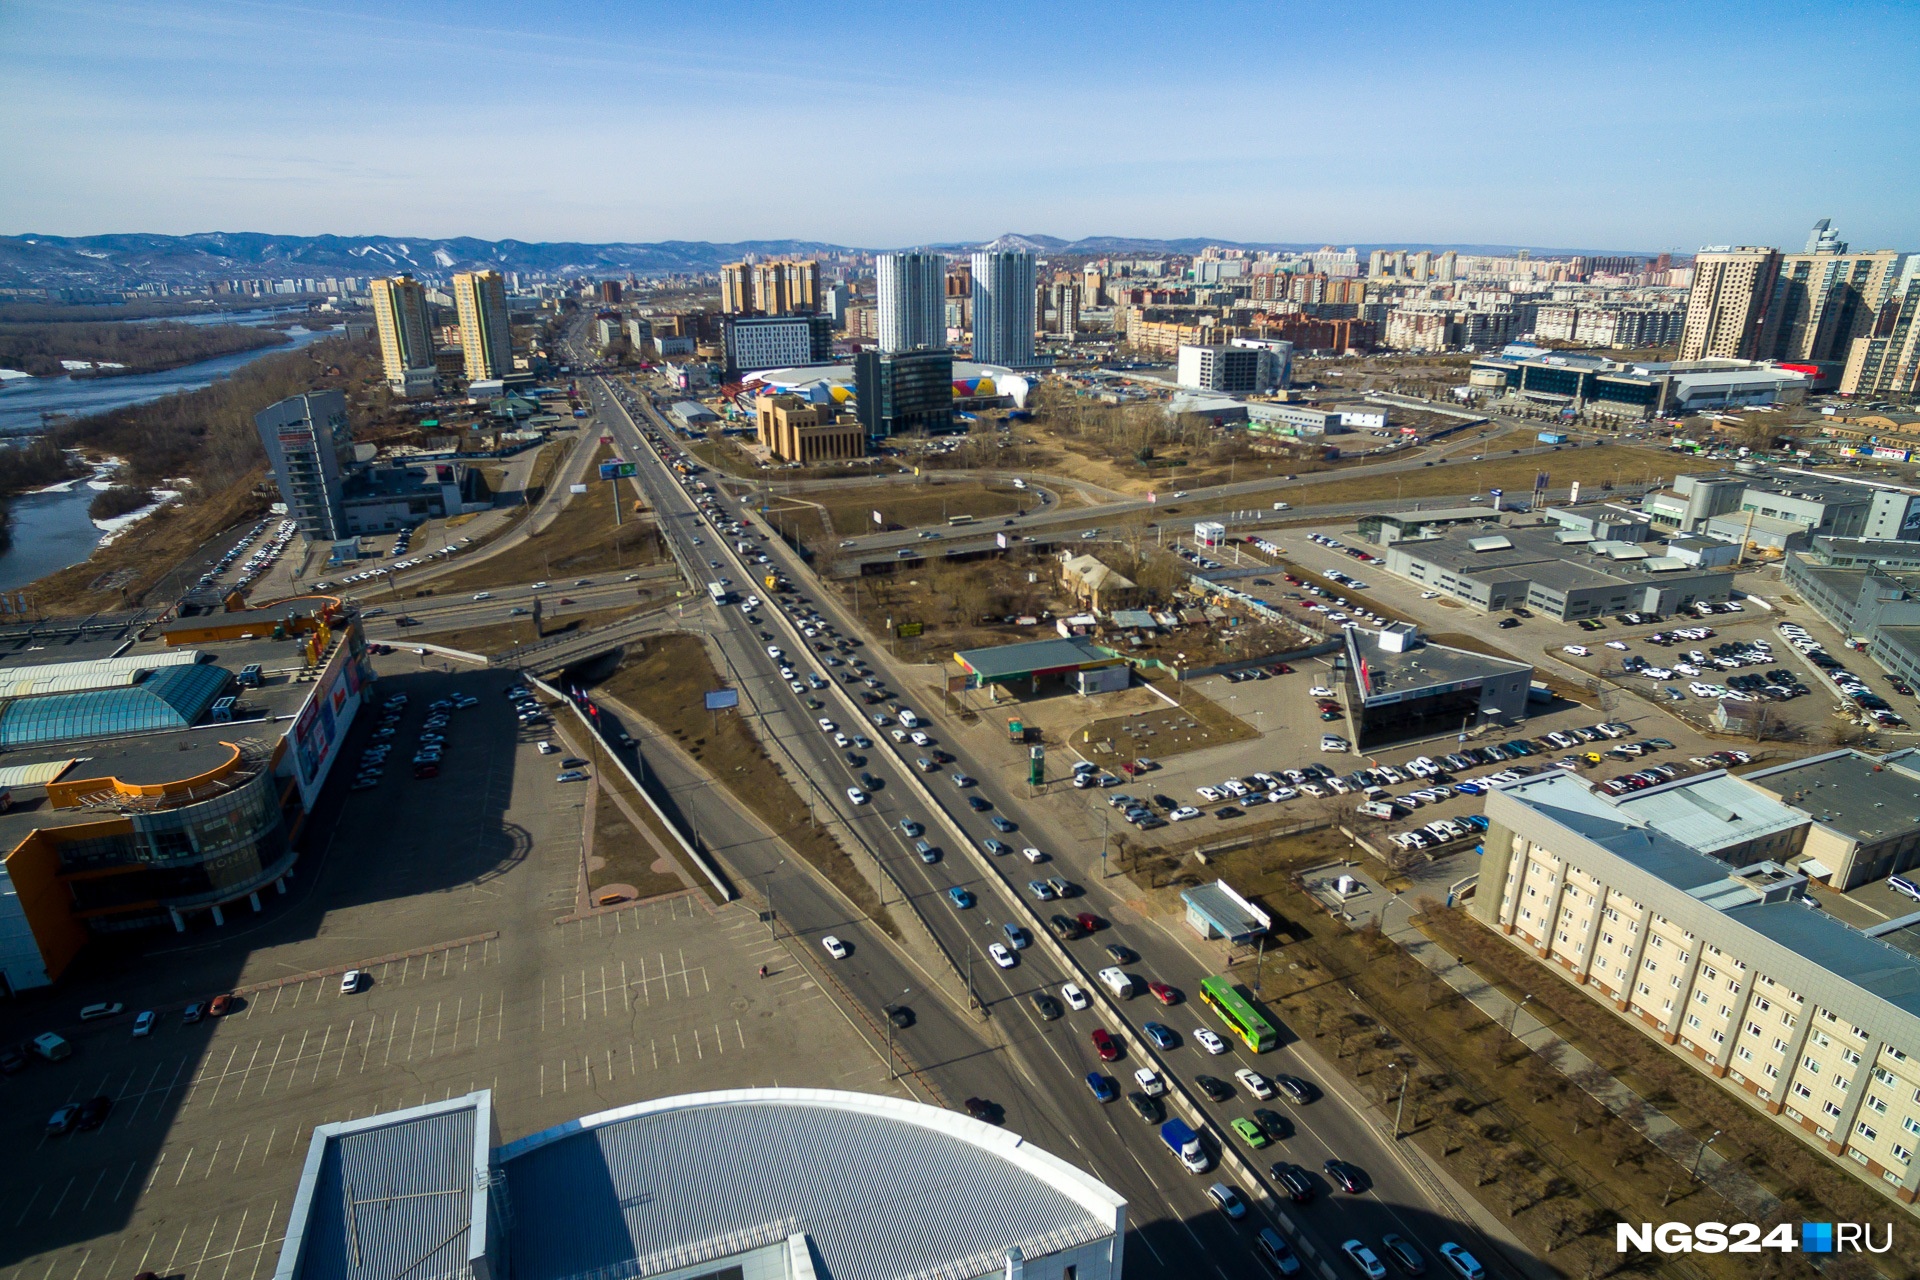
[910, 293]
[1003, 304]
[1886, 361]
[480, 297]
[1727, 308]
[1678, 907]
[406, 335]
[780, 288]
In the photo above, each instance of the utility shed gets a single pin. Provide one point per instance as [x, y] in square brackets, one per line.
[1216, 911]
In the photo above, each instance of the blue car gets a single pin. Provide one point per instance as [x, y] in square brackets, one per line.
[1162, 1037]
[1478, 821]
[1019, 937]
[1469, 788]
[962, 899]
[1102, 1086]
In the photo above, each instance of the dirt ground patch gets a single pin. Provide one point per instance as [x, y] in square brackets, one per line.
[913, 505]
[666, 679]
[1598, 468]
[1162, 731]
[622, 853]
[498, 637]
[582, 540]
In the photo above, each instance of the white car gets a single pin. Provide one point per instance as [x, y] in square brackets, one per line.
[1001, 956]
[1074, 996]
[1209, 794]
[1332, 742]
[1617, 644]
[1183, 813]
[1429, 595]
[856, 795]
[1577, 650]
[1032, 854]
[897, 734]
[827, 726]
[835, 948]
[775, 651]
[1255, 1083]
[921, 739]
[547, 748]
[1209, 1041]
[1319, 691]
[350, 982]
[1365, 1259]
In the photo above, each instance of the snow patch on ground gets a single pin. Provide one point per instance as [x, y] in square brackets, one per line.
[101, 478]
[120, 524]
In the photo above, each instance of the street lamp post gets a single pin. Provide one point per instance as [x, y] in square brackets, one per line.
[891, 1073]
[1401, 1105]
[1698, 1156]
[1514, 1014]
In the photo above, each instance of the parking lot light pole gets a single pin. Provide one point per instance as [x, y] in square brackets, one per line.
[1401, 1105]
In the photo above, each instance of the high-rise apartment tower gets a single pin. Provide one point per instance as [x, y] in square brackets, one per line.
[406, 335]
[1727, 309]
[911, 291]
[480, 297]
[1003, 308]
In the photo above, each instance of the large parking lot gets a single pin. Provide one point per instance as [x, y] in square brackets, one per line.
[456, 897]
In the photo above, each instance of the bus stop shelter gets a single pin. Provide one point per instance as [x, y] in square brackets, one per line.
[1216, 911]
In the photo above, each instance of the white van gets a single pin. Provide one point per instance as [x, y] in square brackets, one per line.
[1377, 809]
[51, 1047]
[909, 719]
[1116, 981]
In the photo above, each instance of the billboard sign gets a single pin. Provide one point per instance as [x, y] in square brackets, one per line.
[877, 519]
[616, 470]
[721, 699]
[908, 630]
[576, 488]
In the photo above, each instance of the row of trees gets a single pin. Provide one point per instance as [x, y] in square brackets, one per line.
[38, 349]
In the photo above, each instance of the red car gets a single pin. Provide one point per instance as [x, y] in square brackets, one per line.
[1088, 921]
[1105, 1045]
[426, 769]
[1164, 993]
[221, 1005]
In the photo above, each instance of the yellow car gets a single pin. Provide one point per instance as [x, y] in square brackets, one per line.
[1590, 758]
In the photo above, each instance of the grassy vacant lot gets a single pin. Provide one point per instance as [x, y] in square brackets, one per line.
[665, 679]
[582, 540]
[911, 505]
[1198, 723]
[623, 854]
[1592, 467]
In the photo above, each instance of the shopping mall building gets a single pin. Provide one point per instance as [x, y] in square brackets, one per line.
[162, 780]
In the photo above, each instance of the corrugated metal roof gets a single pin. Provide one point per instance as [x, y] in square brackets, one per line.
[1005, 660]
[883, 1189]
[101, 669]
[30, 685]
[390, 1197]
[36, 775]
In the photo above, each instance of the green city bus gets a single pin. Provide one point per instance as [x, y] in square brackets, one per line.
[1220, 995]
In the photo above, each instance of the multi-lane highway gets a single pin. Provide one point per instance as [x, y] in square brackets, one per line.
[1041, 1077]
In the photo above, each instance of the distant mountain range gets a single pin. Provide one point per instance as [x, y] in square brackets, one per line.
[118, 261]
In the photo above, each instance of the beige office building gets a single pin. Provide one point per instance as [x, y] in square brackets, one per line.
[795, 431]
[480, 297]
[1680, 908]
[1727, 309]
[406, 335]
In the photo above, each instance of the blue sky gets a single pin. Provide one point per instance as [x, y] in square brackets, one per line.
[1597, 125]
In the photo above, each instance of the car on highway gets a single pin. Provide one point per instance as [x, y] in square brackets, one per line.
[835, 948]
[856, 795]
[1298, 1091]
[1295, 1181]
[1162, 1037]
[1405, 1254]
[1277, 1253]
[899, 1015]
[1102, 1086]
[1038, 888]
[1076, 998]
[1207, 1040]
[1017, 937]
[105, 1009]
[961, 898]
[1365, 1259]
[1001, 825]
[979, 804]
[1254, 1083]
[1250, 1133]
[1214, 1087]
[1227, 1200]
[1150, 1082]
[1164, 993]
[1462, 1263]
[1148, 1109]
[1344, 1176]
[1001, 955]
[1046, 1006]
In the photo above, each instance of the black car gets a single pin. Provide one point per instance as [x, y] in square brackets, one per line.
[981, 1109]
[1273, 1124]
[1509, 623]
[1345, 1176]
[1046, 1006]
[979, 804]
[1214, 1087]
[93, 1112]
[1294, 1181]
[855, 759]
[1297, 1089]
[899, 1015]
[1122, 955]
[1149, 1109]
[1167, 803]
[12, 1060]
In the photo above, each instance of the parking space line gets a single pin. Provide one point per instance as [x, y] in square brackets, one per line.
[433, 1035]
[413, 1036]
[184, 1162]
[176, 1248]
[319, 1057]
[28, 1206]
[292, 1067]
[94, 1189]
[125, 1178]
[63, 1195]
[206, 1248]
[235, 1247]
[653, 1047]
[626, 993]
[543, 1079]
[213, 1161]
[740, 1032]
[260, 1250]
